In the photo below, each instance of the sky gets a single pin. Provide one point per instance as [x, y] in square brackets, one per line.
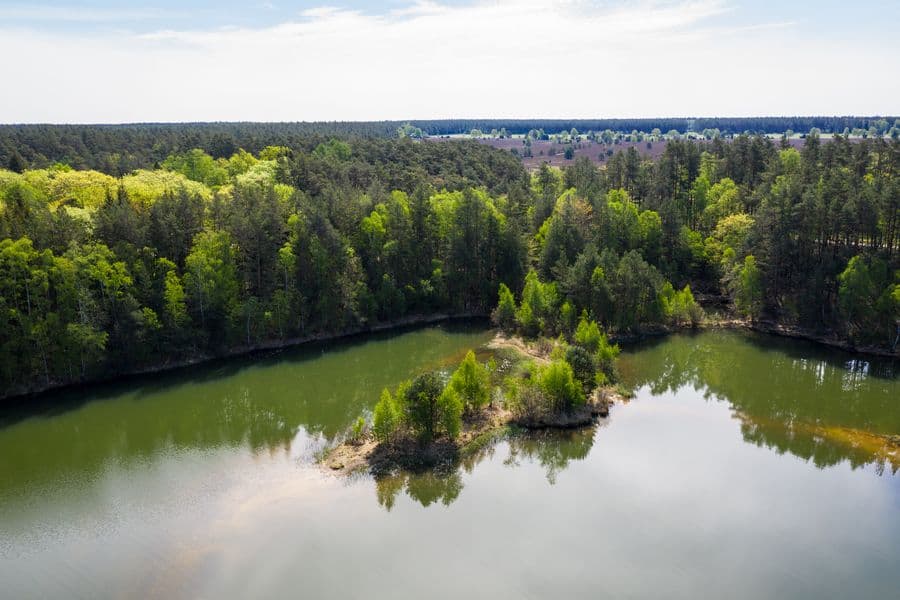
[280, 60]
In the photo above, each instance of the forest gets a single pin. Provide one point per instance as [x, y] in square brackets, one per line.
[119, 149]
[188, 242]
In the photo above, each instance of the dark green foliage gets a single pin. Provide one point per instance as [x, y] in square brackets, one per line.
[584, 367]
[313, 235]
[428, 411]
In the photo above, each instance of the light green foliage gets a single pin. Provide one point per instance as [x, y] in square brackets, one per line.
[723, 200]
[333, 150]
[567, 318]
[387, 416]
[651, 232]
[86, 189]
[590, 337]
[588, 334]
[791, 160]
[274, 152]
[732, 231]
[746, 287]
[623, 229]
[557, 381]
[301, 242]
[451, 407]
[211, 276]
[471, 383]
[174, 297]
[146, 187]
[410, 131]
[358, 430]
[679, 307]
[198, 166]
[504, 315]
[539, 302]
[240, 162]
[262, 173]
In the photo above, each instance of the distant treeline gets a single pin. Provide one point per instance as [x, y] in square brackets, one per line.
[726, 125]
[119, 149]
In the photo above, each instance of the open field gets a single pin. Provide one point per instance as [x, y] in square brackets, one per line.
[553, 152]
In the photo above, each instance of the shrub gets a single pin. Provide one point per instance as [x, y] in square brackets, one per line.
[680, 307]
[526, 400]
[557, 381]
[588, 334]
[584, 367]
[358, 430]
[605, 358]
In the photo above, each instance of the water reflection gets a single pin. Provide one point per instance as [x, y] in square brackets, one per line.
[291, 403]
[553, 451]
[819, 405]
[425, 488]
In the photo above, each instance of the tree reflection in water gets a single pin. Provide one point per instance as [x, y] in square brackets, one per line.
[553, 450]
[823, 406]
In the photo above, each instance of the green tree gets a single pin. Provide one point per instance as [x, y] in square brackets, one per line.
[211, 277]
[386, 416]
[557, 381]
[428, 411]
[504, 315]
[746, 288]
[471, 382]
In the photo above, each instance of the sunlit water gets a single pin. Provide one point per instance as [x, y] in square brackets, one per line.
[745, 467]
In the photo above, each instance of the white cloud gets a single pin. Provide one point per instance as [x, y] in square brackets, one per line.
[427, 60]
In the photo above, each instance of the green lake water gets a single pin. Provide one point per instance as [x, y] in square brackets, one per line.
[745, 467]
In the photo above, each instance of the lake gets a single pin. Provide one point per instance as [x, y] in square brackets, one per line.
[746, 466]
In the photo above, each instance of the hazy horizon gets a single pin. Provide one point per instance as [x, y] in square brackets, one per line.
[454, 118]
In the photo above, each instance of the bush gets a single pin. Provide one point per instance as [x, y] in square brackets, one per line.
[679, 307]
[557, 381]
[358, 430]
[584, 367]
[588, 334]
[526, 400]
[591, 338]
[605, 358]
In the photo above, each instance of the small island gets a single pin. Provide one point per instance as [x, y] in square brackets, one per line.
[434, 419]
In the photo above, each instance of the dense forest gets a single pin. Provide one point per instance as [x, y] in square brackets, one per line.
[118, 149]
[193, 241]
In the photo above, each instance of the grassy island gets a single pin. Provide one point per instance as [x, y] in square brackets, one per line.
[541, 382]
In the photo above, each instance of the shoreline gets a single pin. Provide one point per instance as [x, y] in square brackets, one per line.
[238, 352]
[766, 327]
[488, 426]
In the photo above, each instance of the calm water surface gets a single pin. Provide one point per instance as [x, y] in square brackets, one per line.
[745, 467]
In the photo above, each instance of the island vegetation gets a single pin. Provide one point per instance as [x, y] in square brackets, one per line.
[136, 248]
[433, 420]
